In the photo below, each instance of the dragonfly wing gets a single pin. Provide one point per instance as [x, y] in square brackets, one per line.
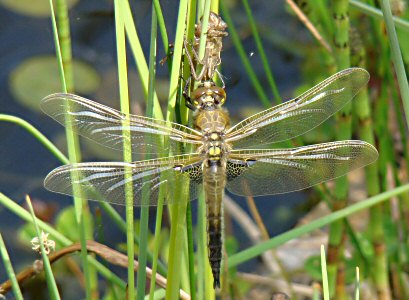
[149, 180]
[105, 125]
[301, 114]
[268, 172]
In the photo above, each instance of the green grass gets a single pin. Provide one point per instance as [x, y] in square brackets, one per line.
[379, 115]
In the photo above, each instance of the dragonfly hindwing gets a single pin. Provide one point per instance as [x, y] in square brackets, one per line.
[236, 167]
[193, 170]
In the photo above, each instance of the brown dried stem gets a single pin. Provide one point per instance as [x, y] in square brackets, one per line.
[108, 254]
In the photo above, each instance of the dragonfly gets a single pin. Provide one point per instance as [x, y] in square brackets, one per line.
[221, 156]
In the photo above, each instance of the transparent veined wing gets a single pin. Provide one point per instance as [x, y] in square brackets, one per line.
[106, 181]
[268, 172]
[301, 114]
[105, 125]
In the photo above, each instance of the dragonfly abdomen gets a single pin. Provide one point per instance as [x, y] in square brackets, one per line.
[214, 180]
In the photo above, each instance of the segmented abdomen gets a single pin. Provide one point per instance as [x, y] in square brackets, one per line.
[214, 180]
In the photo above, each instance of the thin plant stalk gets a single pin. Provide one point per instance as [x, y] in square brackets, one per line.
[127, 151]
[357, 286]
[74, 156]
[143, 231]
[191, 252]
[396, 57]
[177, 211]
[52, 285]
[336, 241]
[362, 110]
[137, 52]
[377, 14]
[243, 57]
[263, 56]
[324, 274]
[9, 270]
[158, 227]
[25, 215]
[258, 249]
[108, 209]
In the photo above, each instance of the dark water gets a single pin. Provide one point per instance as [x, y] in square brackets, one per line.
[24, 162]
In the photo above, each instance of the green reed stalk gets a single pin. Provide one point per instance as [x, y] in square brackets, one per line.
[396, 57]
[52, 286]
[143, 230]
[178, 211]
[155, 262]
[127, 151]
[377, 13]
[9, 270]
[324, 274]
[263, 56]
[60, 238]
[108, 209]
[336, 266]
[243, 57]
[258, 249]
[362, 109]
[74, 153]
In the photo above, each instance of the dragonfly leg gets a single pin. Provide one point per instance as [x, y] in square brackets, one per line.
[185, 93]
[220, 77]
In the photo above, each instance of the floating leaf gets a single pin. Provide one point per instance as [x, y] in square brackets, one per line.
[38, 77]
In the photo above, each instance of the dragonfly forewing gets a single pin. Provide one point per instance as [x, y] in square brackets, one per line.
[301, 114]
[105, 126]
[268, 172]
[150, 179]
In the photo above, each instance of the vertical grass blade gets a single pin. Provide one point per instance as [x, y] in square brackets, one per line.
[396, 57]
[143, 231]
[25, 215]
[357, 284]
[324, 274]
[178, 211]
[263, 56]
[9, 270]
[243, 56]
[336, 232]
[74, 156]
[127, 154]
[52, 286]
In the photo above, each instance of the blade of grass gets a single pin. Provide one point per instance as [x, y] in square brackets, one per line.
[396, 57]
[263, 56]
[108, 209]
[243, 57]
[324, 274]
[191, 252]
[37, 135]
[357, 284]
[52, 285]
[143, 230]
[178, 211]
[377, 13]
[25, 215]
[139, 58]
[336, 241]
[9, 270]
[254, 251]
[74, 156]
[127, 151]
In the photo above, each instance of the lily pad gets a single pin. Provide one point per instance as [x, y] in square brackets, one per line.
[32, 8]
[38, 77]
